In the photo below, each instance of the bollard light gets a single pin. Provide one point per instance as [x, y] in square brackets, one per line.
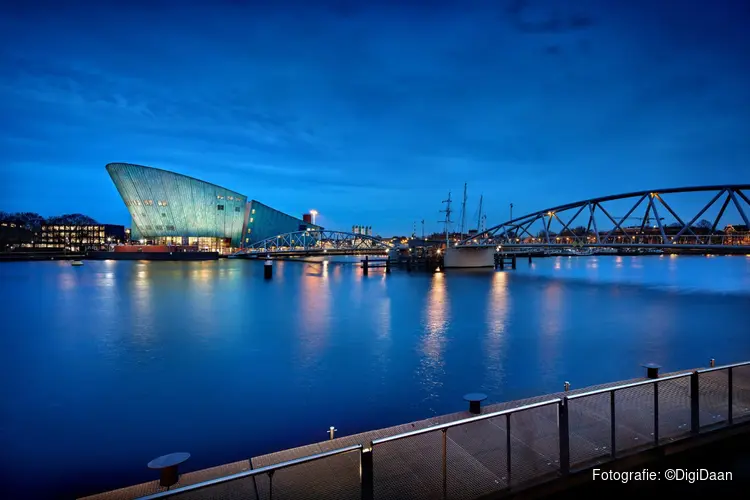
[712, 363]
[567, 386]
[331, 431]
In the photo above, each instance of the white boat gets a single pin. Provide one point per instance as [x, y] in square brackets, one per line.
[605, 251]
[76, 263]
[578, 252]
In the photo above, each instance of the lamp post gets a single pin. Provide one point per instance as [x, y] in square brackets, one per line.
[313, 213]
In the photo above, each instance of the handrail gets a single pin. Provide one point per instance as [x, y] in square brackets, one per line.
[252, 472]
[628, 386]
[270, 469]
[724, 367]
[457, 423]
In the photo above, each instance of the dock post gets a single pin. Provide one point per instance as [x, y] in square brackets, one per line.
[513, 262]
[387, 265]
[652, 370]
[695, 423]
[712, 362]
[564, 438]
[365, 265]
[408, 265]
[502, 263]
[529, 258]
[268, 269]
[366, 474]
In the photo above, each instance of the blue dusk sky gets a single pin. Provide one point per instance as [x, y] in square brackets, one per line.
[371, 111]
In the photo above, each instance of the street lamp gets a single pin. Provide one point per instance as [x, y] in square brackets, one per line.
[313, 213]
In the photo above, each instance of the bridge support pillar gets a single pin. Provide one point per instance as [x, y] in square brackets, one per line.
[388, 266]
[529, 258]
[365, 265]
[513, 262]
[268, 269]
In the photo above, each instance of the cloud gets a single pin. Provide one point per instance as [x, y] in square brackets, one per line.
[387, 97]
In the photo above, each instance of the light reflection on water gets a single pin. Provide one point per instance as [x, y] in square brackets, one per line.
[497, 326]
[314, 315]
[431, 369]
[111, 351]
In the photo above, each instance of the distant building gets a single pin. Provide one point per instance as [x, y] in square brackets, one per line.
[365, 230]
[15, 233]
[737, 234]
[79, 237]
[168, 208]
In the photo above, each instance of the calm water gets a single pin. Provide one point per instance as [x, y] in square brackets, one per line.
[109, 365]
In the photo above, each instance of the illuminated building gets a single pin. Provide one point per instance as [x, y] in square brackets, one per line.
[173, 209]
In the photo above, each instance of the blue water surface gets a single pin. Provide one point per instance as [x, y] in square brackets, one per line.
[109, 365]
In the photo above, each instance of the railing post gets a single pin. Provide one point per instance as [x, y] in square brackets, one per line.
[507, 446]
[695, 423]
[366, 472]
[270, 484]
[729, 385]
[656, 413]
[445, 464]
[612, 425]
[564, 437]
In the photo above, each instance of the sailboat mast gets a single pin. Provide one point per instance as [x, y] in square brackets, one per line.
[447, 220]
[479, 217]
[463, 213]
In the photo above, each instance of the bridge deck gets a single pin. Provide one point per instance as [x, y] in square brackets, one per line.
[476, 452]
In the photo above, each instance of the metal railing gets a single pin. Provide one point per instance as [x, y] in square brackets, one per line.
[581, 429]
[269, 470]
[458, 423]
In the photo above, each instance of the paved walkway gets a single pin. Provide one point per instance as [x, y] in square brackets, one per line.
[476, 452]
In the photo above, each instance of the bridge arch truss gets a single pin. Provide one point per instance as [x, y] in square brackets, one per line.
[639, 219]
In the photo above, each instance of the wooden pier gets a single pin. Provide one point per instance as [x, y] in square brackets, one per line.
[506, 448]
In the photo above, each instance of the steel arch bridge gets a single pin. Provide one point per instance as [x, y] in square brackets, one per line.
[660, 224]
[313, 242]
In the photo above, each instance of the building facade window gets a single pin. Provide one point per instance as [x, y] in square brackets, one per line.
[219, 207]
[170, 228]
[149, 203]
[236, 209]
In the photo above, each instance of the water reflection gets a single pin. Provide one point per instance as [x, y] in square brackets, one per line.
[498, 307]
[436, 323]
[315, 317]
[142, 317]
[552, 321]
[66, 281]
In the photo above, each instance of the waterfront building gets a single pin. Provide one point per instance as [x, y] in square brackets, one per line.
[77, 237]
[15, 233]
[168, 208]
